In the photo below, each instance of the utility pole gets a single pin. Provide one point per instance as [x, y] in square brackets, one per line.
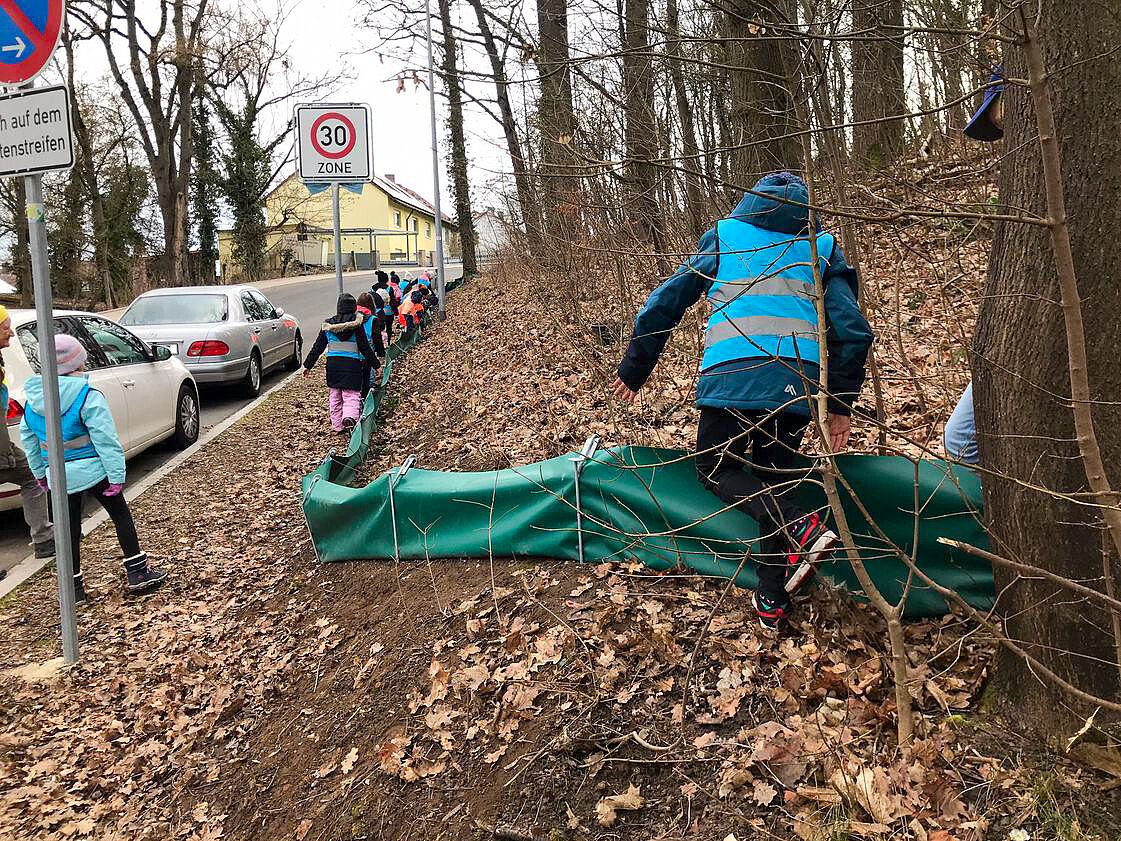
[440, 278]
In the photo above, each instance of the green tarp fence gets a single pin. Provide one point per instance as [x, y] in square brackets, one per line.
[640, 504]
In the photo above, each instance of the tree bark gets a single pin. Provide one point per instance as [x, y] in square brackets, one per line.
[641, 131]
[460, 184]
[527, 201]
[556, 125]
[1023, 376]
[21, 253]
[694, 200]
[761, 119]
[877, 81]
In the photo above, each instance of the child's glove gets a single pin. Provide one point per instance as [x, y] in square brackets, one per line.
[43, 483]
[113, 490]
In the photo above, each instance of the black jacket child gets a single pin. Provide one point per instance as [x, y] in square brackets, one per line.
[345, 372]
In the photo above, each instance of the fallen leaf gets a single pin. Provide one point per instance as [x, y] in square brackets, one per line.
[302, 830]
[764, 793]
[348, 762]
[608, 806]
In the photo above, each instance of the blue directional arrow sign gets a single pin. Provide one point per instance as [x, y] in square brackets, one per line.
[29, 33]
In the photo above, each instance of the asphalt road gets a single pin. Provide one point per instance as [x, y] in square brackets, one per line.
[309, 300]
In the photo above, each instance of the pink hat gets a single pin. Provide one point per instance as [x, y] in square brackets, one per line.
[70, 354]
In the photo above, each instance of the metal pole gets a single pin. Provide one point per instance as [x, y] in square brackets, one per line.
[440, 285]
[338, 238]
[48, 367]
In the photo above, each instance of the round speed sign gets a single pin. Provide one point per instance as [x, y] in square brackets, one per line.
[333, 135]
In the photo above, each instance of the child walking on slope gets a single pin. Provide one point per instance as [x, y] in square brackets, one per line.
[348, 352]
[95, 461]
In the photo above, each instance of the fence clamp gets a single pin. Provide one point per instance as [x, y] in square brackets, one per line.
[578, 465]
[393, 480]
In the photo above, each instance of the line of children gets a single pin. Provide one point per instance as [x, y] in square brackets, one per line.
[349, 351]
[94, 460]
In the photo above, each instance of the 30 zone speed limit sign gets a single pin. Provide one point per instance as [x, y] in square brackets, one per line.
[333, 142]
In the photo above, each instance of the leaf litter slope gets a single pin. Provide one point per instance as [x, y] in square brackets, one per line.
[260, 695]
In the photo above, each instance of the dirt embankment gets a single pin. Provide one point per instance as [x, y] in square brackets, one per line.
[261, 695]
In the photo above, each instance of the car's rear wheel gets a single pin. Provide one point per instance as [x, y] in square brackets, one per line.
[252, 381]
[187, 419]
[297, 353]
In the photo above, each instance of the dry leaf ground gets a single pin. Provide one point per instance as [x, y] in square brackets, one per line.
[261, 695]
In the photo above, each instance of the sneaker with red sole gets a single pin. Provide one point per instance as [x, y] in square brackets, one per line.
[815, 542]
[772, 615]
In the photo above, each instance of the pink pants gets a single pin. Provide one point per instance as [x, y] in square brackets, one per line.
[343, 404]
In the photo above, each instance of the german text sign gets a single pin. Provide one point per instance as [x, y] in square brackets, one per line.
[29, 32]
[333, 142]
[35, 131]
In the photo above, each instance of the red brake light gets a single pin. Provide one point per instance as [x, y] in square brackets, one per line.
[208, 349]
[15, 411]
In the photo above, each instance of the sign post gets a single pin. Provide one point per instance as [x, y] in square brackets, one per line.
[35, 137]
[333, 145]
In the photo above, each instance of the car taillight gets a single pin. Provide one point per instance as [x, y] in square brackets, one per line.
[15, 411]
[208, 349]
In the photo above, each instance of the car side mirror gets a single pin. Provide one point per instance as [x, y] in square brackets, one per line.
[162, 353]
[279, 311]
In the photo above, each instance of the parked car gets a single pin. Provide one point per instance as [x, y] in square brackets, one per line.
[152, 395]
[222, 334]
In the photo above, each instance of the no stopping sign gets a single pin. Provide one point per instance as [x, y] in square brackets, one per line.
[332, 142]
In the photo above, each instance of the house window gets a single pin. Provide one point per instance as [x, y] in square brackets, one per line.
[428, 230]
[415, 224]
[397, 219]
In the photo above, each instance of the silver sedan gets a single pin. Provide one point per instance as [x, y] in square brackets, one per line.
[222, 334]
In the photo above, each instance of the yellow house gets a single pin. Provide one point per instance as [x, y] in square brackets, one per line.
[386, 223]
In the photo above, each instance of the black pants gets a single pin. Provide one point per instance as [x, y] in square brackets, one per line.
[387, 322]
[367, 377]
[745, 458]
[117, 509]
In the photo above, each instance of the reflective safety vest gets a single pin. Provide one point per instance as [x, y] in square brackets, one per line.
[408, 307]
[76, 443]
[345, 348]
[762, 301]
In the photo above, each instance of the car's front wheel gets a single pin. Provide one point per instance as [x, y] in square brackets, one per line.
[297, 353]
[252, 381]
[187, 418]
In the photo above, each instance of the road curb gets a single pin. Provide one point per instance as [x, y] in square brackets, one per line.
[30, 565]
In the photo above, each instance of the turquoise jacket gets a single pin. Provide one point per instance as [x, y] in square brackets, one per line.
[750, 374]
[83, 474]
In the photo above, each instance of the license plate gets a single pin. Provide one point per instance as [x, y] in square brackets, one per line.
[172, 347]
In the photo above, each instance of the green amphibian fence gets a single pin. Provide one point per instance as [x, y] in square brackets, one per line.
[639, 504]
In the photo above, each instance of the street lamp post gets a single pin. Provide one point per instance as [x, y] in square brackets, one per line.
[440, 278]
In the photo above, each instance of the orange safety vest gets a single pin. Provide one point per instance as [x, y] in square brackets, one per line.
[409, 308]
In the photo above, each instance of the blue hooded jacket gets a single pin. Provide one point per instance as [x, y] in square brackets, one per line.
[83, 474]
[756, 382]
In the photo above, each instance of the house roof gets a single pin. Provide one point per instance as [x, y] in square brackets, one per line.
[398, 192]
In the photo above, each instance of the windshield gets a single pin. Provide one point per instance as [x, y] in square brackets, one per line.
[176, 309]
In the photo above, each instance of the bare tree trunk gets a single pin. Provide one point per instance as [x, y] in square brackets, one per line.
[641, 131]
[1029, 432]
[762, 124]
[556, 125]
[877, 81]
[694, 201]
[527, 201]
[21, 253]
[460, 183]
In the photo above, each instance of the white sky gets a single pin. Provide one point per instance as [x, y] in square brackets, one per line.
[319, 30]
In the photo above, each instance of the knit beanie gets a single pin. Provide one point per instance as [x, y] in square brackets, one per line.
[69, 353]
[346, 306]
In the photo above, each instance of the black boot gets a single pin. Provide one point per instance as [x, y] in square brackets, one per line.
[141, 577]
[80, 597]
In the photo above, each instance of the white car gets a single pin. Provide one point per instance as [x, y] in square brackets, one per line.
[151, 394]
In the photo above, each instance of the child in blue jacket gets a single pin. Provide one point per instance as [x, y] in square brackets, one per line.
[760, 368]
[95, 461]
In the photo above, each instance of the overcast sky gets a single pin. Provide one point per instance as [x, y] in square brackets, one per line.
[321, 30]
